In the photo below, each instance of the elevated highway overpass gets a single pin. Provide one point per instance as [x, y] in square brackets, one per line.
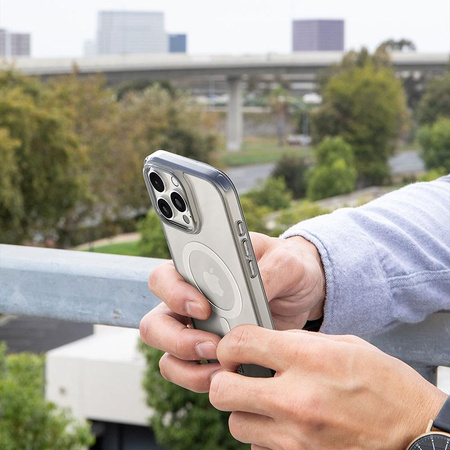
[212, 75]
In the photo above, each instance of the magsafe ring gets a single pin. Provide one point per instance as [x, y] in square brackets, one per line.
[213, 278]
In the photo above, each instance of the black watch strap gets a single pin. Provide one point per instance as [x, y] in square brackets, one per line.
[442, 421]
[313, 325]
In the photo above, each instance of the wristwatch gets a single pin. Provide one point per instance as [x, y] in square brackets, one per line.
[437, 435]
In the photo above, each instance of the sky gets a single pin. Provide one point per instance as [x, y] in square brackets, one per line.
[59, 28]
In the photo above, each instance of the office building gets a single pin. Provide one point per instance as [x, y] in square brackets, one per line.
[317, 35]
[123, 32]
[14, 44]
[177, 43]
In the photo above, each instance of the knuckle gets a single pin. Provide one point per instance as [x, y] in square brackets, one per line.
[153, 278]
[183, 347]
[238, 339]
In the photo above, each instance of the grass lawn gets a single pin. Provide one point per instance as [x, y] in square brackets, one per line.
[258, 151]
[122, 248]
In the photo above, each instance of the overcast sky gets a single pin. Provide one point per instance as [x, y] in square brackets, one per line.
[60, 27]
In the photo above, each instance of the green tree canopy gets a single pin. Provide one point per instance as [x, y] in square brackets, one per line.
[365, 104]
[398, 45]
[41, 160]
[27, 420]
[335, 172]
[435, 102]
[72, 154]
[435, 142]
[183, 419]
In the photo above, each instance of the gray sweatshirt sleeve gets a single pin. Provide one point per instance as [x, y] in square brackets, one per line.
[387, 262]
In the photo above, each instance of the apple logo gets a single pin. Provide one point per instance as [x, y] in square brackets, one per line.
[213, 282]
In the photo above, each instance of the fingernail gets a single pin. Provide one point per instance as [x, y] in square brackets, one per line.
[206, 350]
[195, 309]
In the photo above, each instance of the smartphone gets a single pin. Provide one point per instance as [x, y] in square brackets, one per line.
[207, 236]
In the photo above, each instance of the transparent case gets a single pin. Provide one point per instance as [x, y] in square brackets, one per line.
[209, 242]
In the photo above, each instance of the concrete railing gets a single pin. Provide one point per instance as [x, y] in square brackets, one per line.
[112, 290]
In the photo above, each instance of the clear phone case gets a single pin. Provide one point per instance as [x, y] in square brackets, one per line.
[209, 242]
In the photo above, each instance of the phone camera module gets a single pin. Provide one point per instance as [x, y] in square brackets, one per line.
[157, 182]
[165, 208]
[178, 201]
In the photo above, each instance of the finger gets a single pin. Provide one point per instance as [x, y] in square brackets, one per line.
[167, 284]
[280, 266]
[253, 429]
[233, 392]
[188, 374]
[161, 328]
[249, 344]
[260, 243]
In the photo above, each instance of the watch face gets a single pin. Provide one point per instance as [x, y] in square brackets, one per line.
[435, 441]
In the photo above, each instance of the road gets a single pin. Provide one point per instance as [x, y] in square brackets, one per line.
[246, 177]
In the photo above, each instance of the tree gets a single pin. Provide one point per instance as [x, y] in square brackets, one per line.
[278, 100]
[335, 172]
[27, 420]
[152, 242]
[183, 419]
[398, 45]
[116, 137]
[43, 160]
[435, 142]
[365, 104]
[293, 170]
[435, 102]
[93, 114]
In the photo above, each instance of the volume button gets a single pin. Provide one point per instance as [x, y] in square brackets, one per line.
[240, 228]
[251, 266]
[246, 246]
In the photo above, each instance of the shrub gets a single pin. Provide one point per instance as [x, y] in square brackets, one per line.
[335, 173]
[432, 174]
[152, 242]
[27, 420]
[271, 193]
[435, 102]
[435, 142]
[183, 419]
[292, 169]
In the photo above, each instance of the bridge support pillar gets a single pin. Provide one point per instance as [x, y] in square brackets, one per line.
[235, 116]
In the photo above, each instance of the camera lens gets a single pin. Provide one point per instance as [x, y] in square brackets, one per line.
[178, 201]
[157, 182]
[165, 208]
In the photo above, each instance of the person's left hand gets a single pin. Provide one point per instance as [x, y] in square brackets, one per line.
[329, 392]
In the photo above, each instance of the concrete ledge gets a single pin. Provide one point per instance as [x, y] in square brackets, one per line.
[77, 286]
[112, 290]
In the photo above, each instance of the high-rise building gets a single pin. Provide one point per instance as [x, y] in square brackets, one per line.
[317, 35]
[177, 43]
[131, 32]
[14, 44]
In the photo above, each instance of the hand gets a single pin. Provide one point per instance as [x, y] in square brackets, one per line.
[294, 281]
[329, 392]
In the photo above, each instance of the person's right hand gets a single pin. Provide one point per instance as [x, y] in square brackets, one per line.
[294, 281]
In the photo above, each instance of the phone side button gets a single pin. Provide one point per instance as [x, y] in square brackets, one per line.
[251, 266]
[225, 325]
[240, 228]
[246, 248]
